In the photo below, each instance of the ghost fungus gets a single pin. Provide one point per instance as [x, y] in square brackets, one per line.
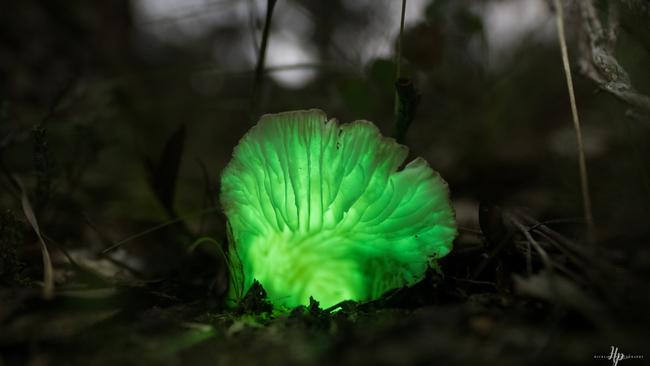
[320, 209]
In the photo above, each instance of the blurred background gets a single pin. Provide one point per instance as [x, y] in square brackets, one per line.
[118, 117]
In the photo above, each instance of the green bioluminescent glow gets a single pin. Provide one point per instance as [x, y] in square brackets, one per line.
[317, 208]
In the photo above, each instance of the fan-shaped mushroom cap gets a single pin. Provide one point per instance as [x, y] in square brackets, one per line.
[317, 208]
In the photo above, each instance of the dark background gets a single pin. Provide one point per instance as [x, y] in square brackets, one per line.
[116, 118]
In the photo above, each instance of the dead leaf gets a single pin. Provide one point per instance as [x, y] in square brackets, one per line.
[48, 277]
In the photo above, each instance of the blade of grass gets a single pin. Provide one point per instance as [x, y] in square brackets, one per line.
[48, 276]
[227, 259]
[158, 227]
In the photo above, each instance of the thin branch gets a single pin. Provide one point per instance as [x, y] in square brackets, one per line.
[398, 55]
[259, 68]
[598, 62]
[584, 179]
[542, 253]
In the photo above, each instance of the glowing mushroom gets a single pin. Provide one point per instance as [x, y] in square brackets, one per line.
[317, 208]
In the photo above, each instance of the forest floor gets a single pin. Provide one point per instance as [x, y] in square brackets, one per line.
[492, 303]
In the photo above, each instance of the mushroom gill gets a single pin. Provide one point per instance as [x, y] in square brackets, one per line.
[317, 208]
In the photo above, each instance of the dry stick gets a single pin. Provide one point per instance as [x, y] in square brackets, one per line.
[398, 56]
[546, 260]
[584, 180]
[259, 68]
[586, 266]
[542, 253]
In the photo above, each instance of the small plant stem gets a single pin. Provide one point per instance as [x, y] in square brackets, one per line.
[398, 56]
[158, 227]
[259, 68]
[584, 180]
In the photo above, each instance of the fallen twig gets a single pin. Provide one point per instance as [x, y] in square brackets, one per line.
[598, 62]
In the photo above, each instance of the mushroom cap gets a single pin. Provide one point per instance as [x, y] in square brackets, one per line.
[317, 208]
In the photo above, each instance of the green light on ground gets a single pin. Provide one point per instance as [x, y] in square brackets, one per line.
[319, 208]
